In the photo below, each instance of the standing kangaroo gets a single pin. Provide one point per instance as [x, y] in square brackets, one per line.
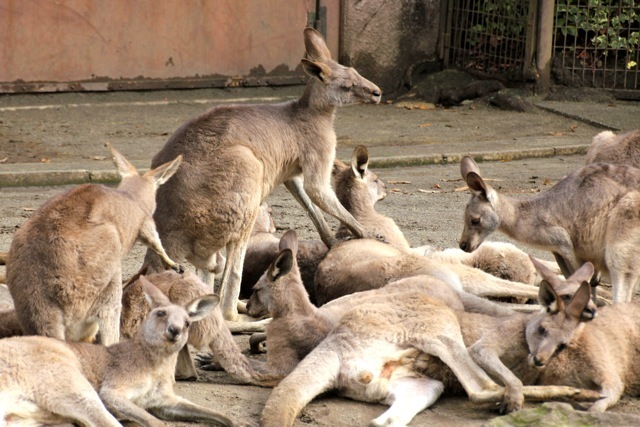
[378, 353]
[91, 384]
[592, 214]
[64, 267]
[622, 149]
[235, 156]
[602, 355]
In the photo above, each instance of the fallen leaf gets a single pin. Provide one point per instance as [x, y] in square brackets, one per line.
[399, 182]
[428, 191]
[4, 160]
[547, 182]
[97, 158]
[425, 125]
[573, 128]
[45, 160]
[28, 209]
[465, 188]
[436, 186]
[416, 105]
[556, 133]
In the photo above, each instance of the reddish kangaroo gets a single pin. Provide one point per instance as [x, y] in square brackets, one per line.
[236, 155]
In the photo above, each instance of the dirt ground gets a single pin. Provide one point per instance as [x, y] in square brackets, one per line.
[427, 205]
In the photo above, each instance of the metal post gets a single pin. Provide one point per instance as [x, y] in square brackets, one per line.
[545, 44]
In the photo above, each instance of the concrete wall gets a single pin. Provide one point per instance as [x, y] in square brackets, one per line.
[384, 39]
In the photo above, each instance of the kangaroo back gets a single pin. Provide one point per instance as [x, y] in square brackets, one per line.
[64, 264]
[622, 149]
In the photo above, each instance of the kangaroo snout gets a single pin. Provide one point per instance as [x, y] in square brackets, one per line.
[173, 332]
[464, 246]
[535, 361]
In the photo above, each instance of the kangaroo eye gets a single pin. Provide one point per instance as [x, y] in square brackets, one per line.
[561, 347]
[475, 221]
[187, 324]
[542, 331]
[161, 313]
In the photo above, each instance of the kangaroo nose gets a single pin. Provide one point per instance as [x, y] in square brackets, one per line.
[463, 246]
[537, 361]
[173, 331]
[377, 93]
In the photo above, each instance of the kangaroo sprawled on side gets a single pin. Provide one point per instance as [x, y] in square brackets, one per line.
[378, 353]
[591, 215]
[622, 149]
[602, 355]
[235, 156]
[64, 264]
[210, 331]
[132, 379]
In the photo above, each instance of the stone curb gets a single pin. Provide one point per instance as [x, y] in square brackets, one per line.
[80, 176]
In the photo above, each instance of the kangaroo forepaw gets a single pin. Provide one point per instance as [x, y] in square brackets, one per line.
[178, 268]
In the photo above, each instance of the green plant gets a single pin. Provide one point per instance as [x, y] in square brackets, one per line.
[604, 25]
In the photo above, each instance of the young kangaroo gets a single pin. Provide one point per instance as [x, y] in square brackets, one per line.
[64, 263]
[602, 355]
[236, 155]
[589, 215]
[132, 379]
[210, 331]
[622, 149]
[377, 353]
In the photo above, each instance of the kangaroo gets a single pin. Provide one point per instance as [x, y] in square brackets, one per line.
[209, 331]
[236, 155]
[64, 263]
[589, 215]
[376, 353]
[95, 385]
[622, 149]
[601, 355]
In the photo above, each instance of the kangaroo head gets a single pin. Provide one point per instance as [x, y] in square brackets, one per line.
[166, 327]
[357, 186]
[480, 217]
[142, 187]
[551, 332]
[565, 289]
[276, 279]
[342, 85]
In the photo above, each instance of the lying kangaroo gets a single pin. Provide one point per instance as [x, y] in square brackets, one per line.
[622, 149]
[602, 355]
[131, 380]
[236, 155]
[377, 353]
[64, 263]
[590, 215]
[210, 331]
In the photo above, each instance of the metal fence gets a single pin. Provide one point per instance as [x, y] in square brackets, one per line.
[494, 38]
[596, 43]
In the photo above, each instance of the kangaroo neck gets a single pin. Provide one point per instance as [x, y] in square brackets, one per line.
[512, 216]
[316, 98]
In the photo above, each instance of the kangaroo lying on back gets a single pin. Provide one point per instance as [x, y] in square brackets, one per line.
[602, 355]
[590, 215]
[376, 353]
[235, 156]
[95, 385]
[64, 264]
[210, 331]
[622, 149]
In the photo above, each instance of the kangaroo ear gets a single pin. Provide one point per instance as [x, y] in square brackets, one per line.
[360, 161]
[316, 69]
[315, 45]
[467, 164]
[549, 298]
[289, 240]
[281, 266]
[122, 164]
[162, 173]
[584, 273]
[579, 301]
[338, 167]
[201, 307]
[152, 294]
[546, 274]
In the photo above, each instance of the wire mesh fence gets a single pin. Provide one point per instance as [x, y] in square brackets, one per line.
[494, 38]
[596, 43]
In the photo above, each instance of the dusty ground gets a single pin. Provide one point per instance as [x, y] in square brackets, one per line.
[428, 209]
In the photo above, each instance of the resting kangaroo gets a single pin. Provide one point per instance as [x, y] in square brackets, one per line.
[590, 215]
[236, 155]
[622, 149]
[64, 263]
[210, 331]
[132, 379]
[377, 353]
[602, 355]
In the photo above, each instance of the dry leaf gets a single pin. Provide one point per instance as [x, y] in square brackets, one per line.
[451, 180]
[556, 133]
[399, 182]
[4, 160]
[465, 188]
[573, 128]
[436, 186]
[98, 158]
[416, 105]
[45, 160]
[29, 209]
[427, 191]
[547, 182]
[425, 125]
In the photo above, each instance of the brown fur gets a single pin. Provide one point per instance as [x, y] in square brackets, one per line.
[622, 149]
[235, 156]
[64, 264]
[133, 378]
[590, 215]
